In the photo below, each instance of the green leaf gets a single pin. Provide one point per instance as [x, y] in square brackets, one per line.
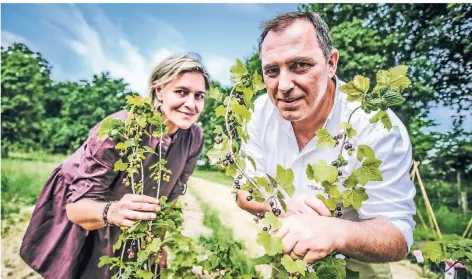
[345, 125]
[293, 266]
[354, 197]
[383, 117]
[331, 189]
[107, 126]
[285, 179]
[154, 246]
[398, 71]
[280, 196]
[144, 274]
[218, 152]
[351, 181]
[323, 172]
[253, 163]
[265, 259]
[364, 151]
[150, 150]
[342, 161]
[120, 145]
[309, 172]
[241, 113]
[433, 251]
[356, 89]
[400, 83]
[392, 98]
[220, 111]
[261, 181]
[257, 82]
[142, 256]
[383, 78]
[369, 171]
[271, 220]
[330, 203]
[105, 260]
[248, 93]
[215, 93]
[272, 245]
[325, 139]
[120, 166]
[118, 243]
[338, 265]
[238, 71]
[218, 129]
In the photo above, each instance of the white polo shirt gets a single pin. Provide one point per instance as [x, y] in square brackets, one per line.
[272, 142]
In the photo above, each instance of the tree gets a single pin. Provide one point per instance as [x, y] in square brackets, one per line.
[25, 82]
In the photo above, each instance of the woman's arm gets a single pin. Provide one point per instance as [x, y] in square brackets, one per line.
[87, 213]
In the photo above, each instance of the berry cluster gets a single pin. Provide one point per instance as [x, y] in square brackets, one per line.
[337, 138]
[337, 212]
[228, 160]
[237, 182]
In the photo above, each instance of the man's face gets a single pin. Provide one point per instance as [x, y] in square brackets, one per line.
[295, 71]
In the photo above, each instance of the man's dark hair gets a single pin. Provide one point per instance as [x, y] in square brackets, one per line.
[282, 21]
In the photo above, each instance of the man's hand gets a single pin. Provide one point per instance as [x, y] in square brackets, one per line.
[252, 206]
[307, 204]
[309, 237]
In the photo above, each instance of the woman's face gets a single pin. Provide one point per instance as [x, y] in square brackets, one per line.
[183, 99]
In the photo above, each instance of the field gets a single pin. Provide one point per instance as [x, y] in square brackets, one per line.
[209, 212]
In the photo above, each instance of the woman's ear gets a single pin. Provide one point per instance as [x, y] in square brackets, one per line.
[158, 92]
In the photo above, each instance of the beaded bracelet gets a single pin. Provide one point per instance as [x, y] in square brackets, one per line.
[105, 213]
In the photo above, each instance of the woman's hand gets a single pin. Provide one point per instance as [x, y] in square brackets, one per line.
[132, 207]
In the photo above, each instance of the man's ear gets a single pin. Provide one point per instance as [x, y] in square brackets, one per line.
[333, 62]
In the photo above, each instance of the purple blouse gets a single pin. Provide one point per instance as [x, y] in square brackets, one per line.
[55, 247]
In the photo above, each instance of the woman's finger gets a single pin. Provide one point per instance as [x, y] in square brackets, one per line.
[136, 215]
[140, 206]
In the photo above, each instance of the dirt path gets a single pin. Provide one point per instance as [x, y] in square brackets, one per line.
[215, 194]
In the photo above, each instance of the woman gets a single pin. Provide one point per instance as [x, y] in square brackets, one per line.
[69, 229]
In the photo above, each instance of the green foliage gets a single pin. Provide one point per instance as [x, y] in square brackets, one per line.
[38, 113]
[25, 84]
[458, 250]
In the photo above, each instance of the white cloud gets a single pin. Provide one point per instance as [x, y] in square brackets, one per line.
[102, 46]
[218, 67]
[9, 38]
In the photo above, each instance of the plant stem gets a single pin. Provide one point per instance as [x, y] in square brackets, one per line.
[345, 136]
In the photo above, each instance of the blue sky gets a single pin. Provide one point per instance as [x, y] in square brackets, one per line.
[128, 40]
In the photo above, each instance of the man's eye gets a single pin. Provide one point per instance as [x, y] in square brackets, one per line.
[301, 65]
[200, 96]
[271, 71]
[180, 92]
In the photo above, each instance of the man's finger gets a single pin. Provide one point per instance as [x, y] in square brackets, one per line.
[311, 257]
[140, 206]
[289, 241]
[318, 206]
[283, 230]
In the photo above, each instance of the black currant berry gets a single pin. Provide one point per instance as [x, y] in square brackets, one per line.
[339, 214]
[338, 208]
[337, 142]
[334, 163]
[250, 190]
[236, 182]
[278, 212]
[240, 176]
[249, 198]
[349, 146]
[274, 210]
[265, 229]
[340, 136]
[271, 204]
[231, 161]
[228, 155]
[238, 187]
[340, 173]
[225, 163]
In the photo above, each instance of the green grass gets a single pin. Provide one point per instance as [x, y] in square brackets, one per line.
[214, 176]
[23, 179]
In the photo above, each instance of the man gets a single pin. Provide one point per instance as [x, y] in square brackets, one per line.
[299, 66]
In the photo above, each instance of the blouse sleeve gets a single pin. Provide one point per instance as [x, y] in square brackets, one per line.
[95, 174]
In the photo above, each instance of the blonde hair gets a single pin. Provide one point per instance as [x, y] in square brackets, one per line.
[172, 66]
